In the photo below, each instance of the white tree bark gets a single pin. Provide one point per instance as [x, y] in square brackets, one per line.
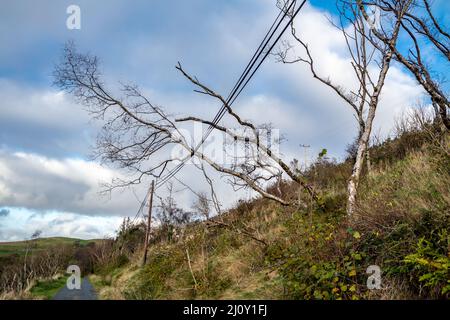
[363, 141]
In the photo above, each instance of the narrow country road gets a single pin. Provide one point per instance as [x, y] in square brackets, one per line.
[86, 292]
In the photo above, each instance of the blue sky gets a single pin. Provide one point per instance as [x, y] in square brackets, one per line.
[46, 179]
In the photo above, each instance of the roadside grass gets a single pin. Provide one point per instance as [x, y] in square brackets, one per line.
[109, 287]
[46, 289]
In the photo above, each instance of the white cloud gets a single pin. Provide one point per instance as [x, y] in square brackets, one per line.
[42, 121]
[399, 94]
[22, 223]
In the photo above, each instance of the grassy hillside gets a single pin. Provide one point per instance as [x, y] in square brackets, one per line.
[402, 225]
[20, 247]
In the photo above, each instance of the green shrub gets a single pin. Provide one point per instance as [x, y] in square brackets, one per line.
[211, 282]
[114, 263]
[150, 282]
[429, 265]
[308, 262]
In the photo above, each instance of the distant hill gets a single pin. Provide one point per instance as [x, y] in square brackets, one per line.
[19, 247]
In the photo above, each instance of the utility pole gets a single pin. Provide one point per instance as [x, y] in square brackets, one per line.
[305, 148]
[149, 221]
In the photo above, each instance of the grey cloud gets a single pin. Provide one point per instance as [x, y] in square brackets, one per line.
[42, 121]
[147, 57]
[43, 184]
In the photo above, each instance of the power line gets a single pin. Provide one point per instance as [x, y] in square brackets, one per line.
[251, 63]
[139, 212]
[233, 96]
[305, 150]
[222, 110]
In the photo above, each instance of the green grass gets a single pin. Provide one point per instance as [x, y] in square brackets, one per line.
[47, 289]
[20, 247]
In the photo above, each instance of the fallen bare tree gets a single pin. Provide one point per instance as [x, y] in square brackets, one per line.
[137, 135]
[204, 205]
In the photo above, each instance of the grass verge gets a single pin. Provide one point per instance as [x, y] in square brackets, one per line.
[46, 289]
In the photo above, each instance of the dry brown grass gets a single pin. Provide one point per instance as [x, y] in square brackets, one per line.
[402, 192]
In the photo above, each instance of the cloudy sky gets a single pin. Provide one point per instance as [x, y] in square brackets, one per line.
[47, 182]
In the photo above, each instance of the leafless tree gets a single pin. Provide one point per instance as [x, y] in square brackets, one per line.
[171, 217]
[16, 276]
[136, 132]
[219, 221]
[422, 28]
[104, 251]
[30, 244]
[202, 205]
[365, 52]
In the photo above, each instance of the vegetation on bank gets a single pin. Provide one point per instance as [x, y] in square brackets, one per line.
[312, 252]
[260, 249]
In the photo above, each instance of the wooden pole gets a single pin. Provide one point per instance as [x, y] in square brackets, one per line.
[305, 149]
[305, 146]
[149, 221]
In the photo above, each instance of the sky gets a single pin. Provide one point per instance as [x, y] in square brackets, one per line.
[47, 180]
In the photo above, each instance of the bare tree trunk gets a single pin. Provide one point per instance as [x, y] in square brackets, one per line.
[363, 141]
[190, 269]
[368, 163]
[147, 233]
[362, 47]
